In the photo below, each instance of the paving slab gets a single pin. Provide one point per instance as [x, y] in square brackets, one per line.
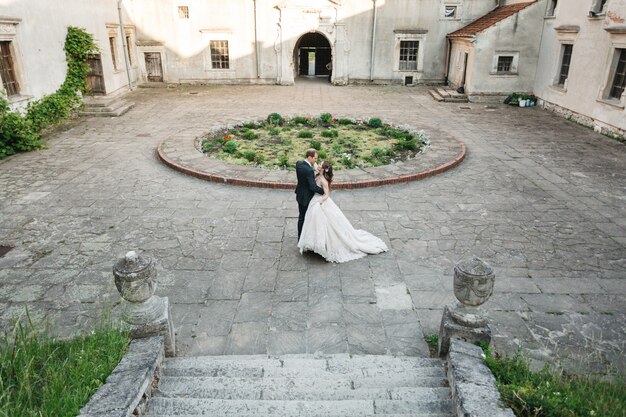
[545, 209]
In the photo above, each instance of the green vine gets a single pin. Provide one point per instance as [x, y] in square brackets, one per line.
[22, 132]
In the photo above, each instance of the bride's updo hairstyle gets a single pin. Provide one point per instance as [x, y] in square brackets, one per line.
[327, 171]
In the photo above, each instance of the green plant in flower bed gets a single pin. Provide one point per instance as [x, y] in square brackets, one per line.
[547, 394]
[278, 142]
[330, 133]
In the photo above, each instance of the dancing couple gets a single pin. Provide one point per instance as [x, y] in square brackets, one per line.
[322, 226]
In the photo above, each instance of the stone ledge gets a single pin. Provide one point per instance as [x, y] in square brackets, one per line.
[180, 153]
[474, 390]
[130, 383]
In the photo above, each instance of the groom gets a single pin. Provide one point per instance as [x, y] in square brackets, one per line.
[306, 187]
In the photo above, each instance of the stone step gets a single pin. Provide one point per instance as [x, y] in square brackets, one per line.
[346, 408]
[114, 108]
[174, 385]
[286, 366]
[313, 415]
[286, 390]
[434, 94]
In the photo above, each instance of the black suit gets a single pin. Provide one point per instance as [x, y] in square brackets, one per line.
[305, 190]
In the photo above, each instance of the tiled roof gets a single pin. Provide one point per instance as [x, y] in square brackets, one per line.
[490, 19]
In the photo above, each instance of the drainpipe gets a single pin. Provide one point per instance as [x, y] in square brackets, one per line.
[373, 42]
[448, 59]
[124, 44]
[256, 44]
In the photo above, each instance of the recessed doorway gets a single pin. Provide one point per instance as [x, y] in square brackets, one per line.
[312, 56]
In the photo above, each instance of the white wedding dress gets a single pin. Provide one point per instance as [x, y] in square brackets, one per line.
[327, 232]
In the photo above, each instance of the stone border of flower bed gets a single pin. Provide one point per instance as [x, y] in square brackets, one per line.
[179, 152]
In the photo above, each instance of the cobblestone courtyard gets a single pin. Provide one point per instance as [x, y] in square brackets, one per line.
[540, 198]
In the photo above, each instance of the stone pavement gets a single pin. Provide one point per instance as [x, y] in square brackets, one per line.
[538, 197]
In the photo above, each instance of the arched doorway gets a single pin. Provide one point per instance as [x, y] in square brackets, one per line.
[312, 54]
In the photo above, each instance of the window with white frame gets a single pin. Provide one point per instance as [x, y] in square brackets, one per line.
[113, 47]
[7, 69]
[183, 12]
[129, 37]
[597, 7]
[505, 63]
[220, 58]
[552, 8]
[449, 11]
[409, 54]
[566, 58]
[618, 75]
[9, 57]
[114, 33]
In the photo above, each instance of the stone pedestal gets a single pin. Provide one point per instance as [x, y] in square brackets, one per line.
[146, 314]
[473, 285]
[461, 324]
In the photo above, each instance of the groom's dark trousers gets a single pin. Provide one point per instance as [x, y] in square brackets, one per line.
[305, 190]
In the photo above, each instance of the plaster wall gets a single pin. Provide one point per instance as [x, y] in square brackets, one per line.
[519, 35]
[583, 97]
[347, 25]
[40, 35]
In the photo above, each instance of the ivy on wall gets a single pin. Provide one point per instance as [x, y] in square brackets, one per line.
[22, 132]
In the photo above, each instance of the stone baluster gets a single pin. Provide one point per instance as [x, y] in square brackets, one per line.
[146, 314]
[473, 285]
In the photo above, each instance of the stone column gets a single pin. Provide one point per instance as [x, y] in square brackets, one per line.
[473, 285]
[146, 314]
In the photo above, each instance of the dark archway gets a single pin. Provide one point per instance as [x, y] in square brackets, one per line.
[312, 54]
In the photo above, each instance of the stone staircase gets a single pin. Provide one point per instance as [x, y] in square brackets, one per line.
[302, 385]
[104, 106]
[448, 95]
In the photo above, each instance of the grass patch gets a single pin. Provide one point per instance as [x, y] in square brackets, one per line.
[277, 143]
[42, 377]
[547, 394]
[433, 344]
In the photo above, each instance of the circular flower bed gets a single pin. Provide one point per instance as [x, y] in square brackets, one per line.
[277, 142]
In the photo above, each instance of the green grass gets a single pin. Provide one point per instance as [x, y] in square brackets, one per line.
[433, 344]
[547, 394]
[42, 377]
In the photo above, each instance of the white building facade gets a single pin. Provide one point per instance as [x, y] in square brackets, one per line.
[581, 72]
[347, 41]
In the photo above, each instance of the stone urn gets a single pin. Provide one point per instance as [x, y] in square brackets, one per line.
[135, 279]
[473, 281]
[473, 285]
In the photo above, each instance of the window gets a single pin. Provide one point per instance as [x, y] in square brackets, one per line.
[565, 61]
[408, 55]
[449, 12]
[183, 12]
[129, 49]
[597, 7]
[552, 8]
[219, 55]
[505, 63]
[112, 45]
[7, 70]
[619, 78]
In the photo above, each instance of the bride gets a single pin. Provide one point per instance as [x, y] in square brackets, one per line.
[328, 232]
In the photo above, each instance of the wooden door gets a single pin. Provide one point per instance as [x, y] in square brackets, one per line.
[95, 78]
[322, 58]
[154, 69]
